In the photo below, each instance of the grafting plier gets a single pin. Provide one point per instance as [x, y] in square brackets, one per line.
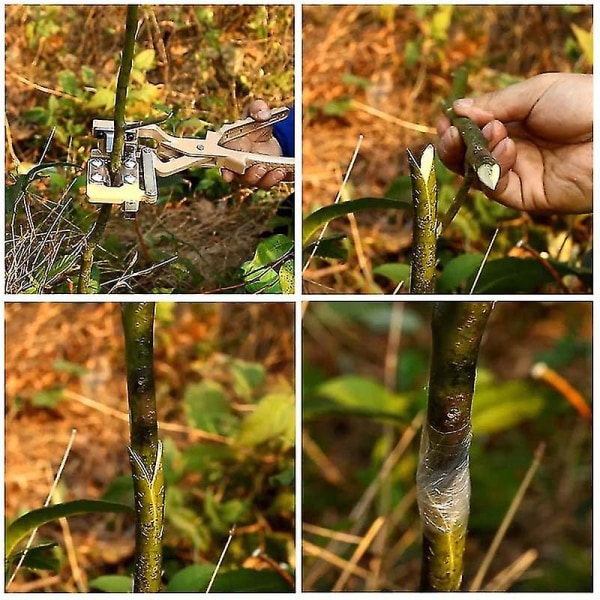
[141, 164]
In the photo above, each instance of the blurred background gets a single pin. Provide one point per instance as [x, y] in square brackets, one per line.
[219, 368]
[365, 374]
[204, 64]
[382, 71]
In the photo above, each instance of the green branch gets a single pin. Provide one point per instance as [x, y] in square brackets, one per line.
[87, 258]
[122, 87]
[145, 451]
[443, 484]
[424, 196]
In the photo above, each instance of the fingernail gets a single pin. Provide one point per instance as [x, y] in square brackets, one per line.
[263, 115]
[487, 130]
[260, 172]
[463, 103]
[278, 175]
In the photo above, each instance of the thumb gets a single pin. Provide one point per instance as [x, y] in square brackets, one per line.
[513, 103]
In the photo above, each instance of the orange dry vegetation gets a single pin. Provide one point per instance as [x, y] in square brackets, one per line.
[383, 71]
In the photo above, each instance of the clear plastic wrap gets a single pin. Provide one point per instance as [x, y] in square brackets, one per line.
[443, 481]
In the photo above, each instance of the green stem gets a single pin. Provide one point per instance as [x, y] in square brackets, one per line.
[87, 258]
[122, 87]
[424, 196]
[443, 485]
[145, 451]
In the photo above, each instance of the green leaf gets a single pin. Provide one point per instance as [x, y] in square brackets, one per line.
[144, 60]
[331, 246]
[206, 406]
[25, 524]
[103, 98]
[397, 272]
[354, 394]
[194, 578]
[257, 273]
[511, 275]
[499, 406]
[47, 398]
[247, 376]
[39, 558]
[333, 211]
[114, 584]
[273, 419]
[457, 271]
[286, 277]
[68, 82]
[250, 580]
[337, 108]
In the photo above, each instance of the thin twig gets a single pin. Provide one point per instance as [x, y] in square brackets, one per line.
[337, 198]
[485, 257]
[218, 565]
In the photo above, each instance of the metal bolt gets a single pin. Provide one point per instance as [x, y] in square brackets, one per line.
[200, 147]
[129, 178]
[97, 178]
[97, 163]
[129, 164]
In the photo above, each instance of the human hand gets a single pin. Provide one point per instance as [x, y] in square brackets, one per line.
[540, 132]
[261, 141]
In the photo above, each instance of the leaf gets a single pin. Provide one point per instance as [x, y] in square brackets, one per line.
[25, 524]
[39, 558]
[286, 277]
[206, 406]
[585, 39]
[115, 584]
[144, 60]
[47, 398]
[68, 82]
[250, 580]
[273, 420]
[329, 247]
[332, 211]
[499, 406]
[457, 271]
[357, 395]
[511, 275]
[397, 272]
[246, 377]
[103, 98]
[194, 578]
[257, 273]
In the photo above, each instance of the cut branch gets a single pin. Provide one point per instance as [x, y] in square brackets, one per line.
[424, 196]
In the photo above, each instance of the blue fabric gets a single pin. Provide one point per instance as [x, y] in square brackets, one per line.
[284, 134]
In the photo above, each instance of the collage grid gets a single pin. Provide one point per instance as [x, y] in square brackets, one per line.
[255, 399]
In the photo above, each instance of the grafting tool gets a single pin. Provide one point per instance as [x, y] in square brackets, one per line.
[141, 164]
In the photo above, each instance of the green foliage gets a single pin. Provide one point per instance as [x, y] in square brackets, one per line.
[354, 395]
[25, 524]
[112, 584]
[261, 274]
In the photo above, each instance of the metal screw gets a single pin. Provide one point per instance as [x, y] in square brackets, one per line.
[97, 163]
[129, 178]
[200, 147]
[129, 164]
[97, 178]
